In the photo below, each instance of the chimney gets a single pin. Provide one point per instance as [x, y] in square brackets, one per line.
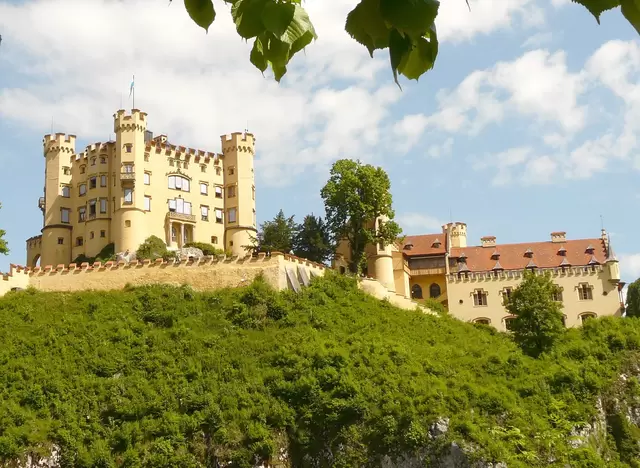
[559, 236]
[488, 241]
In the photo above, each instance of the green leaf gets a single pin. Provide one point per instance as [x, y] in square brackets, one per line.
[257, 55]
[399, 47]
[302, 42]
[366, 25]
[277, 54]
[247, 15]
[201, 12]
[277, 17]
[597, 7]
[421, 58]
[631, 11]
[413, 17]
[299, 26]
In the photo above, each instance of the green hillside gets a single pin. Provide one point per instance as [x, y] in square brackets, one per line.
[167, 377]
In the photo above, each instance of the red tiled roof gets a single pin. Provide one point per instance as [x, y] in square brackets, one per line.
[545, 254]
[423, 245]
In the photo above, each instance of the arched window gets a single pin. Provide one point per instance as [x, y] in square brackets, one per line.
[416, 291]
[483, 321]
[179, 183]
[434, 291]
[508, 323]
[587, 316]
[66, 191]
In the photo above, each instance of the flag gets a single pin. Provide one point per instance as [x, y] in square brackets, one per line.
[132, 84]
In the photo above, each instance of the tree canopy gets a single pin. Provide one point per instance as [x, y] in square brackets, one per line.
[538, 317]
[312, 240]
[406, 28]
[633, 299]
[276, 235]
[4, 247]
[356, 196]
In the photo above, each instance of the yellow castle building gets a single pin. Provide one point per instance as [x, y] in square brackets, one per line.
[475, 282]
[126, 190]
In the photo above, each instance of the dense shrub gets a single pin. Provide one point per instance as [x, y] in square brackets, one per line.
[163, 376]
[207, 249]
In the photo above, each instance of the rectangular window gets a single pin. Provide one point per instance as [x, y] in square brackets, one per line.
[232, 215]
[128, 168]
[60, 240]
[103, 233]
[91, 235]
[231, 191]
[79, 241]
[93, 161]
[147, 178]
[219, 215]
[103, 180]
[172, 206]
[204, 211]
[82, 169]
[232, 170]
[103, 205]
[218, 171]
[480, 298]
[253, 193]
[214, 239]
[218, 192]
[92, 208]
[65, 214]
[66, 192]
[506, 296]
[203, 168]
[93, 182]
[204, 189]
[128, 148]
[103, 160]
[83, 189]
[557, 296]
[147, 203]
[128, 196]
[585, 293]
[82, 214]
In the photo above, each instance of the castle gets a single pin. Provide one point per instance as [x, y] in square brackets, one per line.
[126, 190]
[475, 282]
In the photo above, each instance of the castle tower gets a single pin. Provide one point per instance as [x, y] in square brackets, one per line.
[380, 261]
[57, 235]
[128, 218]
[457, 234]
[611, 262]
[240, 225]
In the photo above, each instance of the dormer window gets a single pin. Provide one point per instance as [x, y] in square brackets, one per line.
[462, 258]
[590, 249]
[562, 251]
[495, 255]
[528, 253]
[408, 246]
[436, 244]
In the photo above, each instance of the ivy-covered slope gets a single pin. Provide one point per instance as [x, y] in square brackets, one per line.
[166, 377]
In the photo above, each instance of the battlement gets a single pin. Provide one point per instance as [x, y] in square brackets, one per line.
[123, 122]
[94, 149]
[498, 276]
[238, 141]
[183, 152]
[59, 142]
[34, 241]
[207, 273]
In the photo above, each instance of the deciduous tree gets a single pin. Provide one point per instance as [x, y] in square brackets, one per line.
[633, 299]
[312, 240]
[406, 28]
[538, 318]
[355, 196]
[4, 247]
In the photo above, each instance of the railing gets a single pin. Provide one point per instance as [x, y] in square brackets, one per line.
[127, 176]
[181, 216]
[427, 271]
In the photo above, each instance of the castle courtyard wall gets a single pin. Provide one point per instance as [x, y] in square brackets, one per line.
[209, 273]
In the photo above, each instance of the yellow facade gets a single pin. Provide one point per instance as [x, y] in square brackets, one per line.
[126, 190]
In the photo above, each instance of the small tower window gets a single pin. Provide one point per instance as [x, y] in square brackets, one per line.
[60, 240]
[231, 191]
[232, 215]
[232, 170]
[128, 148]
[93, 161]
[79, 241]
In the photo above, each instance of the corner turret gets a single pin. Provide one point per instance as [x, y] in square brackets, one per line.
[612, 264]
[456, 234]
[238, 150]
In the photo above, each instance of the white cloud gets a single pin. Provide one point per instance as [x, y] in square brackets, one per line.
[418, 223]
[630, 267]
[537, 40]
[196, 86]
[441, 149]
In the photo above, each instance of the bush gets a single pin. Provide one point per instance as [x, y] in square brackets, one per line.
[152, 248]
[105, 255]
[207, 249]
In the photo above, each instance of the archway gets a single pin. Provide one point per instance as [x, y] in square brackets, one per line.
[36, 261]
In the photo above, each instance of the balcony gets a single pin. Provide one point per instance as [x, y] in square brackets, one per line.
[172, 215]
[127, 176]
[427, 271]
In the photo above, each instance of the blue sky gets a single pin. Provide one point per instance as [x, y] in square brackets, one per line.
[526, 125]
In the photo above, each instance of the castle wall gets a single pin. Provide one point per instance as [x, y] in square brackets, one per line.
[16, 278]
[206, 274]
[605, 299]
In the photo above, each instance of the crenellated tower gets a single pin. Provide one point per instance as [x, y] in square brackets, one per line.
[128, 199]
[238, 151]
[380, 260]
[56, 245]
